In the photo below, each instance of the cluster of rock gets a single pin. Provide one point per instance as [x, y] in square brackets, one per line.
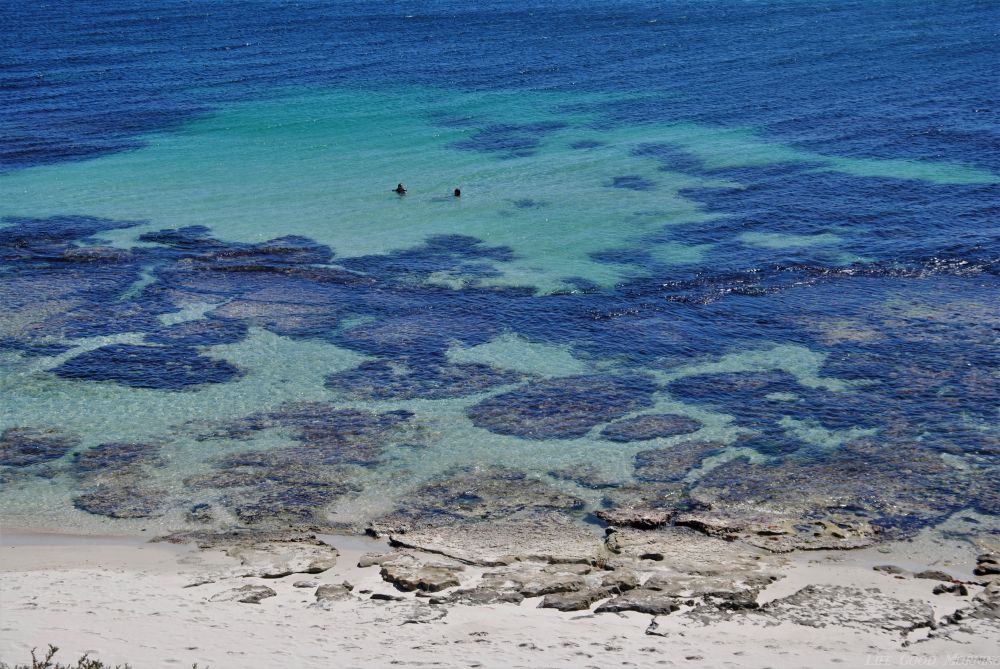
[263, 555]
[698, 575]
[571, 568]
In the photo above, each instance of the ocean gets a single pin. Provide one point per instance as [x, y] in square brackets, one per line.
[706, 254]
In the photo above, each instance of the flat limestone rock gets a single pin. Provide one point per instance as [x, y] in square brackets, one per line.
[418, 613]
[480, 595]
[409, 572]
[333, 592]
[247, 594]
[684, 551]
[643, 519]
[373, 559]
[686, 566]
[642, 600]
[779, 533]
[934, 575]
[737, 590]
[839, 606]
[577, 600]
[535, 580]
[542, 538]
[568, 587]
[276, 559]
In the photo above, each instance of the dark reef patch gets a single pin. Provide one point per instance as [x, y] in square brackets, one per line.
[509, 140]
[764, 398]
[412, 378]
[39, 349]
[282, 318]
[650, 426]
[115, 480]
[193, 238]
[732, 387]
[326, 434]
[440, 253]
[41, 235]
[120, 500]
[418, 336]
[112, 456]
[155, 367]
[195, 245]
[268, 256]
[528, 203]
[276, 487]
[562, 408]
[293, 484]
[632, 182]
[669, 465]
[864, 475]
[585, 476]
[25, 446]
[200, 332]
[771, 442]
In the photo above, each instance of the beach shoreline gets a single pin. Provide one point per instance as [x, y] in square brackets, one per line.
[151, 604]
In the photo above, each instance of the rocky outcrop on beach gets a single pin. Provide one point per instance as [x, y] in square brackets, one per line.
[980, 617]
[277, 559]
[546, 537]
[693, 572]
[246, 594]
[782, 533]
[409, 572]
[840, 606]
[329, 592]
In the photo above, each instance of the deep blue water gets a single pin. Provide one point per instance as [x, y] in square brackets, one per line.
[878, 78]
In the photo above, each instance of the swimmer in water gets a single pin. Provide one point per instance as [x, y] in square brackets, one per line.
[400, 189]
[458, 192]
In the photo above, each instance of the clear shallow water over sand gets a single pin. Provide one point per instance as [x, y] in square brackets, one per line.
[729, 217]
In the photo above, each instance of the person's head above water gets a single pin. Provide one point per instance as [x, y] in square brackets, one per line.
[458, 192]
[400, 188]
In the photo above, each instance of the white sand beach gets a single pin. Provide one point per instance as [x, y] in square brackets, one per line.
[121, 599]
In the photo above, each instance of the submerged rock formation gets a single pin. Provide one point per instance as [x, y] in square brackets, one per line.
[562, 408]
[26, 446]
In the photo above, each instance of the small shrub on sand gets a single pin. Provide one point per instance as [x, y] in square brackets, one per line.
[47, 663]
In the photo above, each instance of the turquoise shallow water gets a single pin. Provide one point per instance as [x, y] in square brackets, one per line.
[323, 164]
[636, 300]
